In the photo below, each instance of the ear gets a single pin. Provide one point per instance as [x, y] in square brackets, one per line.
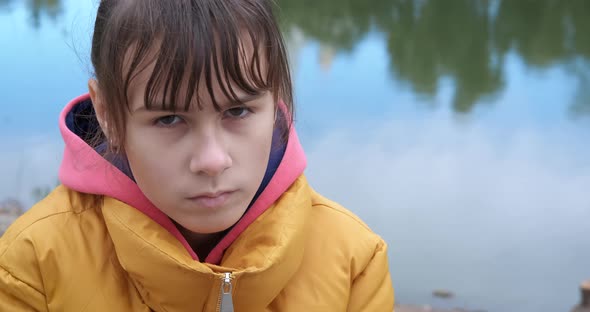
[99, 105]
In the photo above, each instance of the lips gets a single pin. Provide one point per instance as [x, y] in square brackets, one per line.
[212, 200]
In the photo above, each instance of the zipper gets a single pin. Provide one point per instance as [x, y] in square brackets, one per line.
[226, 303]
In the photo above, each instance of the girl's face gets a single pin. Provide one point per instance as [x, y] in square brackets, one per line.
[200, 167]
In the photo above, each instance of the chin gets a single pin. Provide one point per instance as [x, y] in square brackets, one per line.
[214, 222]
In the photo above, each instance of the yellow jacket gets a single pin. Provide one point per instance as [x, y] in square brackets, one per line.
[302, 253]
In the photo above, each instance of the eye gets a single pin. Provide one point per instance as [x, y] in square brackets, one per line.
[237, 112]
[168, 121]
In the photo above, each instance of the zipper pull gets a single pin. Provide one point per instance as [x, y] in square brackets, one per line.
[227, 303]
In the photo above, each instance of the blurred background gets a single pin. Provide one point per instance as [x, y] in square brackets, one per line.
[458, 130]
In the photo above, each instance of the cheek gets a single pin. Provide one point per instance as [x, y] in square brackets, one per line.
[250, 149]
[258, 149]
[145, 159]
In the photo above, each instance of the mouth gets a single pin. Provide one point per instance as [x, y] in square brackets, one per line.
[212, 200]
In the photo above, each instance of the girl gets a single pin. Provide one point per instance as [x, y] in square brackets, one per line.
[182, 180]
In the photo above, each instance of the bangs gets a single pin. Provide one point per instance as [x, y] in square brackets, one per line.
[233, 44]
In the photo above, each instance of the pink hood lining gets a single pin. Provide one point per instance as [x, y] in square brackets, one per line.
[86, 171]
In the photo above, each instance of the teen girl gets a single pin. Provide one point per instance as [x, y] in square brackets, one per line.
[182, 180]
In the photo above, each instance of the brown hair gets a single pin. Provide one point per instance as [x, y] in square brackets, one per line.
[195, 39]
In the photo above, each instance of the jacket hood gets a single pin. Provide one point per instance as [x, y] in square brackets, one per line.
[85, 170]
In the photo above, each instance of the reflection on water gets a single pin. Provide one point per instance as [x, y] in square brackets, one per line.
[581, 105]
[465, 40]
[427, 40]
[38, 8]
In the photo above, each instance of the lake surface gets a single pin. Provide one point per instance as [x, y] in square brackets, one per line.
[458, 130]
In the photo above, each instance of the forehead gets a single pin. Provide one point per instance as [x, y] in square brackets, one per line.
[182, 76]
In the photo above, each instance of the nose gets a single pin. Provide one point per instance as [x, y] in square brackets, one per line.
[210, 157]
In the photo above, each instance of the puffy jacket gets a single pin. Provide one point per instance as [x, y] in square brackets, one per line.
[293, 250]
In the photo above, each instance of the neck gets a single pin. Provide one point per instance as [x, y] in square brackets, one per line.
[202, 244]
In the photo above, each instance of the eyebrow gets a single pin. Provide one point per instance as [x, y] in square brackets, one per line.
[240, 100]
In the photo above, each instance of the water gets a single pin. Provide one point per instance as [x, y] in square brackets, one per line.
[458, 130]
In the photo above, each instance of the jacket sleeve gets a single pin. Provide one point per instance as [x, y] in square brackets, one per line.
[21, 281]
[372, 289]
[17, 296]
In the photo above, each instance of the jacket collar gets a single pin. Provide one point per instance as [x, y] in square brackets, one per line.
[261, 261]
